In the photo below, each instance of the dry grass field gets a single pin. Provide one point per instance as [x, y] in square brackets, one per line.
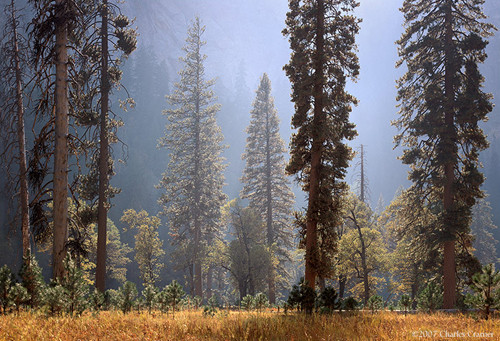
[269, 325]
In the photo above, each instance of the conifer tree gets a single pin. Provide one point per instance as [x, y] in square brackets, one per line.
[265, 182]
[14, 67]
[50, 26]
[322, 39]
[193, 181]
[482, 228]
[441, 104]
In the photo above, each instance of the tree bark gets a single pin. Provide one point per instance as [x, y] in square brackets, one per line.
[21, 140]
[449, 280]
[342, 283]
[316, 153]
[210, 274]
[60, 191]
[102, 210]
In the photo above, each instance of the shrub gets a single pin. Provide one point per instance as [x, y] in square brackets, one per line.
[76, 288]
[32, 280]
[127, 295]
[486, 286]
[55, 298]
[375, 303]
[162, 300]
[302, 296]
[328, 300]
[350, 304]
[430, 298]
[149, 295]
[97, 300]
[260, 301]
[211, 308]
[405, 303]
[19, 295]
[174, 294]
[247, 302]
[6, 282]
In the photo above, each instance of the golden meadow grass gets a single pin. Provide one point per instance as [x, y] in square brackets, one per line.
[192, 325]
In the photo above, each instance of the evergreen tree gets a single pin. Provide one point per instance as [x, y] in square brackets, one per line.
[441, 104]
[194, 178]
[174, 293]
[482, 228]
[124, 38]
[50, 30]
[266, 185]
[322, 39]
[14, 67]
[486, 285]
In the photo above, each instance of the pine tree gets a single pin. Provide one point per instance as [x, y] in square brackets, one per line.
[322, 39]
[194, 178]
[441, 104]
[124, 38]
[482, 228]
[266, 185]
[14, 67]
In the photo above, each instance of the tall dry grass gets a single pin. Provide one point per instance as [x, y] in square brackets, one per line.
[192, 325]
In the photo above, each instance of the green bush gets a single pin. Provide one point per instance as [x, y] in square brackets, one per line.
[405, 303]
[19, 295]
[247, 302]
[6, 282]
[302, 297]
[260, 301]
[76, 288]
[149, 295]
[174, 294]
[55, 298]
[375, 303]
[328, 300]
[127, 296]
[350, 304]
[430, 298]
[32, 280]
[486, 287]
[211, 308]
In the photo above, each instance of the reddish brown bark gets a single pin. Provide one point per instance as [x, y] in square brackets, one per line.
[316, 151]
[60, 210]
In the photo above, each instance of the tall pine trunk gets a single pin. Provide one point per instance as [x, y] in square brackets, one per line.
[60, 191]
[449, 281]
[21, 140]
[102, 211]
[316, 152]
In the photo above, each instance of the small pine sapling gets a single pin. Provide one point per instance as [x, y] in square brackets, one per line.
[375, 303]
[430, 298]
[486, 286]
[6, 282]
[405, 303]
[149, 295]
